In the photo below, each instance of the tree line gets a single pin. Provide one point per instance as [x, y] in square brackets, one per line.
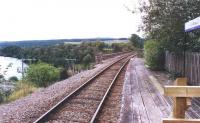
[57, 55]
[163, 23]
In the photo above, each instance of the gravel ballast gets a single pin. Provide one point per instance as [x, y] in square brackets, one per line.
[31, 107]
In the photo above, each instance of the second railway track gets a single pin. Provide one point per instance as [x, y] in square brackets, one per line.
[84, 104]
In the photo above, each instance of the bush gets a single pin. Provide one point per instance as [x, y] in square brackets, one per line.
[13, 79]
[154, 55]
[42, 74]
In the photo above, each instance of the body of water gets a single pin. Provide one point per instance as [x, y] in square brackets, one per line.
[11, 67]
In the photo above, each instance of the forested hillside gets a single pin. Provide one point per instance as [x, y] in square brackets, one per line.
[35, 43]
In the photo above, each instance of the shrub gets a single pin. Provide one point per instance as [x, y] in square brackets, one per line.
[13, 79]
[42, 74]
[122, 47]
[154, 55]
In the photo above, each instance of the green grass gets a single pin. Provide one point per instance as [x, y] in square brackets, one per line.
[23, 89]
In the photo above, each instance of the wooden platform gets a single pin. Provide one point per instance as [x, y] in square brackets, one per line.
[143, 99]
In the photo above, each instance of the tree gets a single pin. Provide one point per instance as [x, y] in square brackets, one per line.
[154, 55]
[136, 41]
[164, 20]
[42, 74]
[87, 59]
[100, 45]
[12, 51]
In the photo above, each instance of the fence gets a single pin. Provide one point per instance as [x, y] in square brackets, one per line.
[175, 63]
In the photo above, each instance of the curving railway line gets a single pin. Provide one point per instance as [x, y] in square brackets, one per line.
[93, 101]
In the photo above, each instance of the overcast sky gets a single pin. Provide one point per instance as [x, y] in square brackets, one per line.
[56, 19]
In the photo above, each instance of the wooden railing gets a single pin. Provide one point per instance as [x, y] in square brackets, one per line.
[181, 94]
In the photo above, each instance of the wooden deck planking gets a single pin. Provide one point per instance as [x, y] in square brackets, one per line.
[138, 100]
[127, 110]
[159, 100]
[196, 107]
[153, 111]
[147, 104]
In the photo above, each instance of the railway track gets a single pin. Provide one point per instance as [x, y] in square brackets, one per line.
[86, 102]
[109, 111]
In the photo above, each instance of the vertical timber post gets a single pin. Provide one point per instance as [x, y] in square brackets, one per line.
[180, 103]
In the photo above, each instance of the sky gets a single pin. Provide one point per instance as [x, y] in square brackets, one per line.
[61, 19]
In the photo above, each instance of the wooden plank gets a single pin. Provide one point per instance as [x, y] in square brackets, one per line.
[156, 90]
[148, 101]
[182, 91]
[137, 100]
[193, 91]
[158, 98]
[181, 120]
[135, 111]
[127, 110]
[174, 91]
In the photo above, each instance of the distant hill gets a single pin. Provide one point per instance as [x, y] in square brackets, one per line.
[35, 43]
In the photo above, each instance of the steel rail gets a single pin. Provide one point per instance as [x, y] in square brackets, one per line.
[56, 106]
[108, 91]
